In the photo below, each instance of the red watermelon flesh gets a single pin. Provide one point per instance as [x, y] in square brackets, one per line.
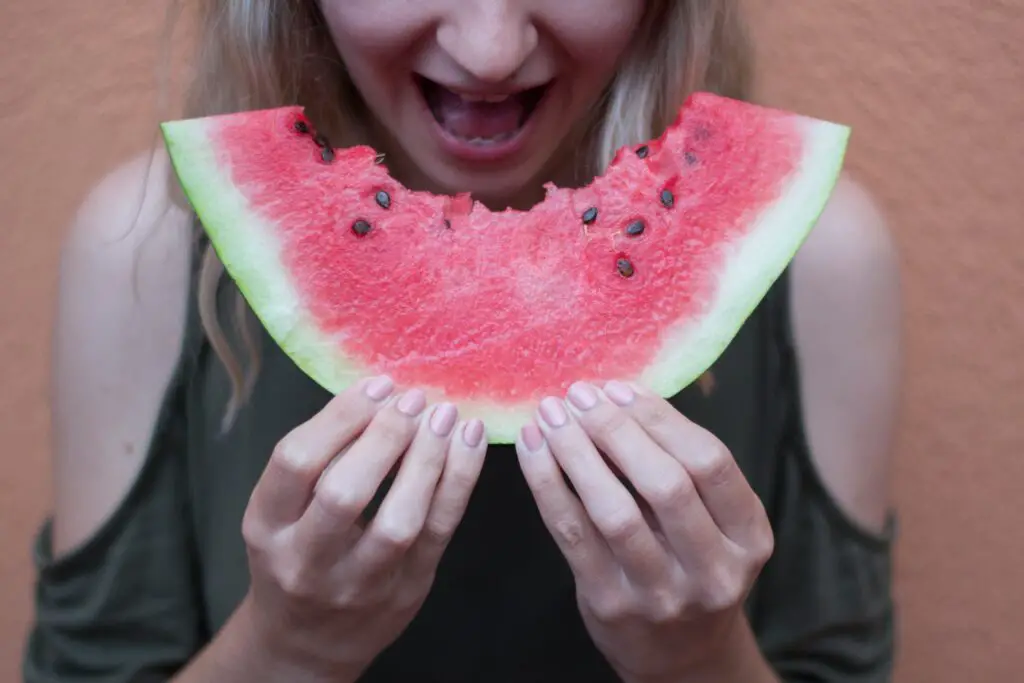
[644, 275]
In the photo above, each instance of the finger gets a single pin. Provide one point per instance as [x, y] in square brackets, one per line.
[350, 483]
[401, 516]
[657, 477]
[462, 467]
[611, 507]
[286, 486]
[729, 498]
[565, 518]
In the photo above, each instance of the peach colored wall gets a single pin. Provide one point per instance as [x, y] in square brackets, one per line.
[935, 93]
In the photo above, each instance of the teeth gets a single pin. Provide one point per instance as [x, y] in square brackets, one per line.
[484, 98]
[487, 141]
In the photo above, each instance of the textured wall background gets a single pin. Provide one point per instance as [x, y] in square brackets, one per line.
[935, 93]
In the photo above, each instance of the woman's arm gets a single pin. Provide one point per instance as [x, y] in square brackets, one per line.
[240, 654]
[846, 316]
[120, 320]
[115, 597]
[847, 324]
[118, 598]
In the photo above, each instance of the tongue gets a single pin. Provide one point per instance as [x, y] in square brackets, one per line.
[478, 119]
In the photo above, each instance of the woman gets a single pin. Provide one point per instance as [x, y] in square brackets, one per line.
[199, 535]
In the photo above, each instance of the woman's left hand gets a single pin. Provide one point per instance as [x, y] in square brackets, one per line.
[661, 577]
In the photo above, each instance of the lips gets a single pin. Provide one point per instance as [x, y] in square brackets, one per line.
[483, 119]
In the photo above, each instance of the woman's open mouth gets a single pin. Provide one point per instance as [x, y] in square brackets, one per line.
[481, 125]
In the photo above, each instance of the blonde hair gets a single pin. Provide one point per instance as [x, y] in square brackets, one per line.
[266, 53]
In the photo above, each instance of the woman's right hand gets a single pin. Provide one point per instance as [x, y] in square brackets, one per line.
[329, 591]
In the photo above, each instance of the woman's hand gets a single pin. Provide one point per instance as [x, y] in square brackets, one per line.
[330, 591]
[661, 577]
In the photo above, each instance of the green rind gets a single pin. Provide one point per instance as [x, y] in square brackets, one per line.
[249, 249]
[754, 264]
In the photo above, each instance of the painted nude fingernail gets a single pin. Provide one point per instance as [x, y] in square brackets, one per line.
[619, 393]
[583, 396]
[533, 439]
[412, 402]
[443, 419]
[379, 388]
[553, 412]
[473, 433]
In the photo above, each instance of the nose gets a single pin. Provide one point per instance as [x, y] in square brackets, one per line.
[490, 39]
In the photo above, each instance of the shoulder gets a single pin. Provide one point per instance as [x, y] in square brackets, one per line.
[847, 318]
[121, 307]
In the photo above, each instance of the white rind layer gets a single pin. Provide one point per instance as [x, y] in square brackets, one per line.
[754, 263]
[249, 248]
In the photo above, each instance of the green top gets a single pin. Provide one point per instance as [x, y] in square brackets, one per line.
[140, 598]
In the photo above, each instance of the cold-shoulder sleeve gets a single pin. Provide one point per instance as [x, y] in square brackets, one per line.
[823, 608]
[125, 605]
[824, 611]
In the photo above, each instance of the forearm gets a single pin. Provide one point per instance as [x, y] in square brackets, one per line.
[239, 654]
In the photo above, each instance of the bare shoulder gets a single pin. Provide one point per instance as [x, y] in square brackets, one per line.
[121, 307]
[847, 320]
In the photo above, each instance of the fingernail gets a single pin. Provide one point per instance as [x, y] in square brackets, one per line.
[583, 396]
[473, 433]
[533, 439]
[443, 419]
[553, 412]
[619, 393]
[379, 388]
[412, 402]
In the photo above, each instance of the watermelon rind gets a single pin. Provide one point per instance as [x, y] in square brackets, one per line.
[248, 247]
[754, 262]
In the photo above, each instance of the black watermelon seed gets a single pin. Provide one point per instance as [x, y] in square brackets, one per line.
[447, 224]
[361, 227]
[691, 158]
[320, 140]
[383, 199]
[625, 267]
[667, 199]
[590, 215]
[301, 127]
[642, 151]
[327, 154]
[635, 228]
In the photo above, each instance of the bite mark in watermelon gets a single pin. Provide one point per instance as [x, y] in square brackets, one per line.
[644, 275]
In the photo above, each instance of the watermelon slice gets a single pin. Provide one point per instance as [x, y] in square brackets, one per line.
[644, 275]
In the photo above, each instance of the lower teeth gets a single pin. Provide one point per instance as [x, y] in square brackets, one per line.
[503, 137]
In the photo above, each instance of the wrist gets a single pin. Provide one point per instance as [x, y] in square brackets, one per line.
[736, 659]
[266, 657]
